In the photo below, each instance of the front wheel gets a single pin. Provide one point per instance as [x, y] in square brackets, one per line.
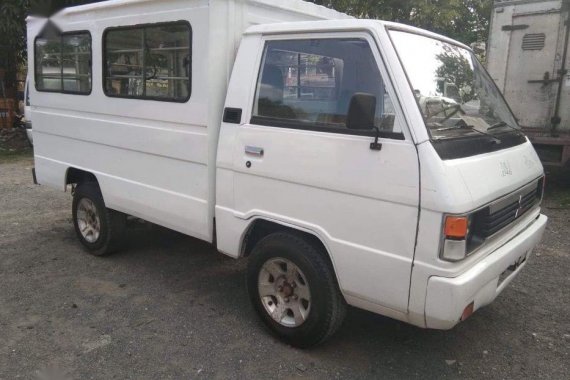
[293, 288]
[99, 229]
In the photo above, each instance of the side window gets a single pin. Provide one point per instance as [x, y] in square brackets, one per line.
[48, 63]
[63, 63]
[310, 83]
[148, 62]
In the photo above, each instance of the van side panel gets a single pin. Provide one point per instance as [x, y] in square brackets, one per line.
[150, 157]
[237, 16]
[153, 159]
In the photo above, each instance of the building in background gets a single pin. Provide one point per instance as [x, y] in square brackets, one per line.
[528, 57]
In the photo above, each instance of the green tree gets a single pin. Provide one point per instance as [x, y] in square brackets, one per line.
[464, 20]
[455, 68]
[13, 52]
[12, 37]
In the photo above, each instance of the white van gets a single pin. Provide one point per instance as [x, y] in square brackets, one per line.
[328, 152]
[28, 112]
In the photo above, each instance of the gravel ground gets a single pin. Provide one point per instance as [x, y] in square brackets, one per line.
[172, 307]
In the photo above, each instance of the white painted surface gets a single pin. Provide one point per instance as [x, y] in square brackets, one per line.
[447, 297]
[512, 67]
[28, 110]
[334, 186]
[166, 150]
[178, 165]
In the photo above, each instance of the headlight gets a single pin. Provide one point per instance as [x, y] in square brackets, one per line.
[458, 239]
[455, 234]
[463, 234]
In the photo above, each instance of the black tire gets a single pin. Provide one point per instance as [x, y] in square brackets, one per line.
[328, 308]
[112, 223]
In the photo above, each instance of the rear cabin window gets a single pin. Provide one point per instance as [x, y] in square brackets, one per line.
[148, 62]
[309, 84]
[63, 63]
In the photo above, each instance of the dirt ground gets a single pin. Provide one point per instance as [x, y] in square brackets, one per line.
[172, 307]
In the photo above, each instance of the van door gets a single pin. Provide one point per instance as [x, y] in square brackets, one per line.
[529, 89]
[297, 162]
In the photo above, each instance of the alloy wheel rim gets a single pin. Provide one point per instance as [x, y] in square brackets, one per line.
[88, 220]
[284, 292]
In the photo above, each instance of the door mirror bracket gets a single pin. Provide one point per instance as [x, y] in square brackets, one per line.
[376, 145]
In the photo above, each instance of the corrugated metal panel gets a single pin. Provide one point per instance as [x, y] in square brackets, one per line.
[533, 41]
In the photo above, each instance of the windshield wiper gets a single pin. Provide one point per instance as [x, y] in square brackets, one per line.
[472, 128]
[501, 124]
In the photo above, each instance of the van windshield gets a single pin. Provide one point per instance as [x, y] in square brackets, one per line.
[457, 97]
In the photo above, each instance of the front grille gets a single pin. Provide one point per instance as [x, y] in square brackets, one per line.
[499, 214]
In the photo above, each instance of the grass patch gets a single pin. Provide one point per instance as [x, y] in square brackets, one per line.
[15, 155]
[557, 196]
[562, 197]
[558, 187]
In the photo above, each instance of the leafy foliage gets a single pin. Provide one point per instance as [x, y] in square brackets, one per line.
[455, 68]
[464, 20]
[12, 36]
[13, 52]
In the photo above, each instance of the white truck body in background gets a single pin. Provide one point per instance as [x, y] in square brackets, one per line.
[310, 128]
[28, 111]
[528, 57]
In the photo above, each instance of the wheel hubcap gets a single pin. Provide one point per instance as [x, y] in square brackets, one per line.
[284, 292]
[88, 220]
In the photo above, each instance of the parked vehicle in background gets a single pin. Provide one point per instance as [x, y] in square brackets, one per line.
[28, 112]
[353, 162]
[528, 58]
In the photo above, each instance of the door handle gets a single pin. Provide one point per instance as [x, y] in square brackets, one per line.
[254, 151]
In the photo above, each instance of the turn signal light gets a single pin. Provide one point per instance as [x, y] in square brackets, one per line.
[456, 227]
[467, 311]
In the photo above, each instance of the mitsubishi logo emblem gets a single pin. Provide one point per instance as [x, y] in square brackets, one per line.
[519, 209]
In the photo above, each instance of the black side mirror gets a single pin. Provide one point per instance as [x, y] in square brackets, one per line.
[361, 115]
[361, 111]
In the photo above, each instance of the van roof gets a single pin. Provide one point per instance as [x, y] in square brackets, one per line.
[287, 5]
[345, 24]
[336, 21]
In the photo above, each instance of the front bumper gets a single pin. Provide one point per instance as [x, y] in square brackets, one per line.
[447, 297]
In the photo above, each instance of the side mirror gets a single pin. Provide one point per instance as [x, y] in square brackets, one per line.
[361, 112]
[361, 115]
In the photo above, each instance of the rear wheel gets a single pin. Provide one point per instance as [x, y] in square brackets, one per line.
[99, 229]
[293, 288]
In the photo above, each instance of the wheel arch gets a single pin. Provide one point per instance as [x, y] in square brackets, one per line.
[75, 176]
[261, 227]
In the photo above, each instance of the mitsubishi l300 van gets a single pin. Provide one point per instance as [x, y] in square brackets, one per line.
[353, 162]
